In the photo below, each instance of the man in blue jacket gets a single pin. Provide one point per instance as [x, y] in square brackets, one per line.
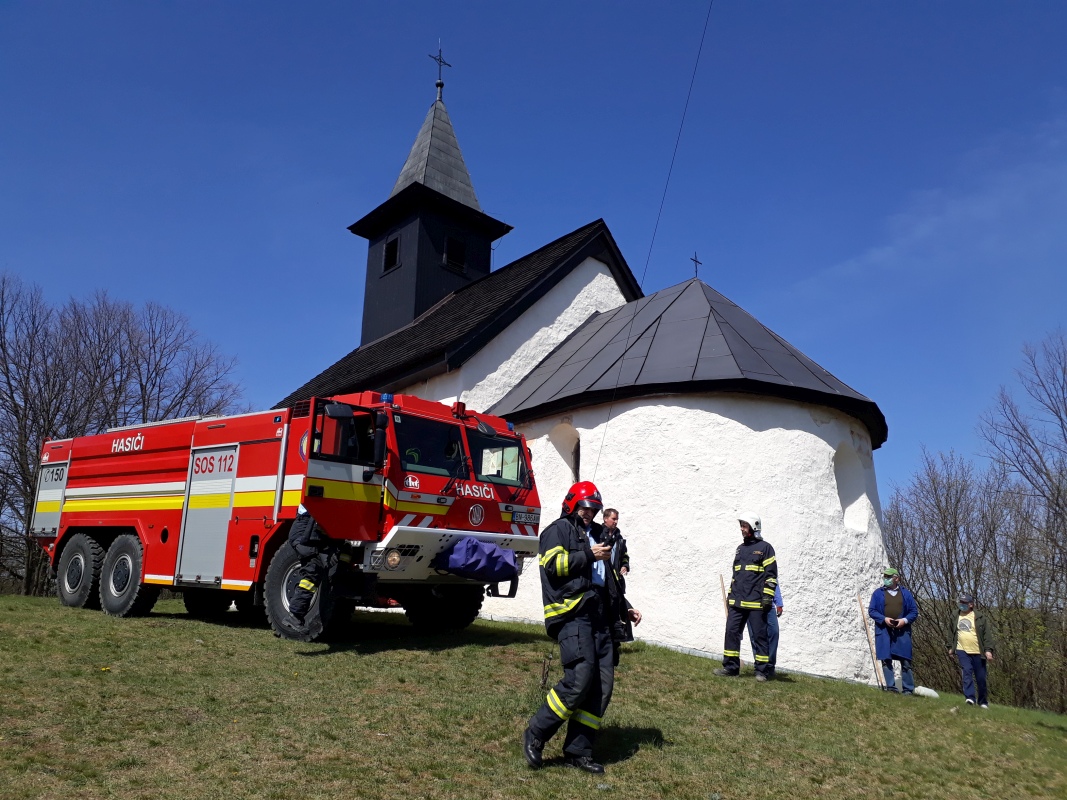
[893, 610]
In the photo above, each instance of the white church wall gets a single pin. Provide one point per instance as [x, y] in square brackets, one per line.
[495, 369]
[680, 468]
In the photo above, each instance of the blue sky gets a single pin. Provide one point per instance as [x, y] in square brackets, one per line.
[884, 184]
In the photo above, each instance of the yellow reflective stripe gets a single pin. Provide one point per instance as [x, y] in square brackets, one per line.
[750, 604]
[253, 499]
[555, 609]
[161, 502]
[551, 554]
[557, 706]
[753, 568]
[770, 561]
[768, 590]
[48, 506]
[736, 653]
[587, 719]
[307, 584]
[563, 564]
[737, 567]
[763, 659]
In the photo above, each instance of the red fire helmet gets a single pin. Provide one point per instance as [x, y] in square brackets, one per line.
[582, 495]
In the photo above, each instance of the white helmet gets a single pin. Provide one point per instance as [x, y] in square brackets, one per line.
[753, 521]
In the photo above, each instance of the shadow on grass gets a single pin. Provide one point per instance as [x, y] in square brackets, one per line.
[375, 632]
[617, 743]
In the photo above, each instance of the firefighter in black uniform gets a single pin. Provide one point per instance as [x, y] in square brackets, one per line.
[586, 612]
[751, 598]
[315, 550]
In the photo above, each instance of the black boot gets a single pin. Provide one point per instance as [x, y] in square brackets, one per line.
[584, 763]
[531, 748]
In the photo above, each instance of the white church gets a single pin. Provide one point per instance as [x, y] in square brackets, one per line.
[683, 409]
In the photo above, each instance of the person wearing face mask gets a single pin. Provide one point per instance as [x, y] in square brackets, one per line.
[970, 641]
[893, 610]
[751, 598]
[587, 614]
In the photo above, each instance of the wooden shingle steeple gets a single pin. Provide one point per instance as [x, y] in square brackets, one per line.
[430, 237]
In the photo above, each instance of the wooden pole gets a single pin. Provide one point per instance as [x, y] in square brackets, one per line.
[870, 643]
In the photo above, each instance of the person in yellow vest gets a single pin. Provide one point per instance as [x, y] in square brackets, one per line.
[970, 638]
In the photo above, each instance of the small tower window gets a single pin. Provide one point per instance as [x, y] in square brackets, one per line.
[455, 253]
[392, 254]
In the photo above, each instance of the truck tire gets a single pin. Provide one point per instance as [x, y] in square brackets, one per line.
[121, 592]
[78, 573]
[278, 588]
[442, 608]
[211, 604]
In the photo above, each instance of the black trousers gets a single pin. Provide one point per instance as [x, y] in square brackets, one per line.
[735, 624]
[314, 565]
[580, 699]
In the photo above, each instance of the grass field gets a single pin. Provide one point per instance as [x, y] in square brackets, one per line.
[169, 707]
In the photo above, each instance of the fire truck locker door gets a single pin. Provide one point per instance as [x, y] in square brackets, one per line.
[208, 507]
[51, 483]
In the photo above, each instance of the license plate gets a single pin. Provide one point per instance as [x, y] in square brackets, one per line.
[529, 519]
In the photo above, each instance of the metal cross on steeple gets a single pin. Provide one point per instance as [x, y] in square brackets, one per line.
[441, 63]
[696, 264]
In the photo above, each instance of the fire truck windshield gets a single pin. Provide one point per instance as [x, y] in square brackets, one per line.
[498, 459]
[429, 446]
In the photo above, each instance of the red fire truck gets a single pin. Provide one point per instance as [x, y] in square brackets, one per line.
[204, 506]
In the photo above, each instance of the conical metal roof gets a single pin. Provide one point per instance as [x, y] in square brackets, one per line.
[686, 338]
[436, 162]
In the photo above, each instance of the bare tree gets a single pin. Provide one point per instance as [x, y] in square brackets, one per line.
[79, 369]
[999, 533]
[1027, 435]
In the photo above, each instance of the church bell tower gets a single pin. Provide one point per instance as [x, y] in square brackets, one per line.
[430, 237]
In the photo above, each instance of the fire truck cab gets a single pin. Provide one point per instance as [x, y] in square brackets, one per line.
[204, 506]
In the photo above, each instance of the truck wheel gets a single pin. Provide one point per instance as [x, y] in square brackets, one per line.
[121, 592]
[78, 573]
[279, 587]
[206, 603]
[442, 608]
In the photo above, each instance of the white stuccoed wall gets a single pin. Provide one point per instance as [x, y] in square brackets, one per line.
[496, 368]
[680, 468]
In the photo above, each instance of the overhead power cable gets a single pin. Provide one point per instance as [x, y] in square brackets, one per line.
[655, 228]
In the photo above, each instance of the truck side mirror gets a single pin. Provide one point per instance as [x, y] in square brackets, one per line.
[381, 422]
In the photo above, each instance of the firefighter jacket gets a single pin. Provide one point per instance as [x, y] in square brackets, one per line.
[566, 571]
[566, 560]
[755, 574]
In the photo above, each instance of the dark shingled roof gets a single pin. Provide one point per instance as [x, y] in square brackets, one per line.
[466, 320]
[686, 338]
[436, 162]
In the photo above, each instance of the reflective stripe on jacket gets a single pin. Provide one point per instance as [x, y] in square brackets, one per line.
[755, 574]
[566, 562]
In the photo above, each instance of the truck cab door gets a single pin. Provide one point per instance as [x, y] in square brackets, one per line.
[342, 490]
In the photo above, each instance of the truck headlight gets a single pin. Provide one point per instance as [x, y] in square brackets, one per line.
[392, 558]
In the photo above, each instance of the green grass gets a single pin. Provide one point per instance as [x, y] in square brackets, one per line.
[169, 707]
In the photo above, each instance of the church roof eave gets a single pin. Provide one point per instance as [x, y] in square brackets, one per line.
[866, 412]
[415, 197]
[685, 338]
